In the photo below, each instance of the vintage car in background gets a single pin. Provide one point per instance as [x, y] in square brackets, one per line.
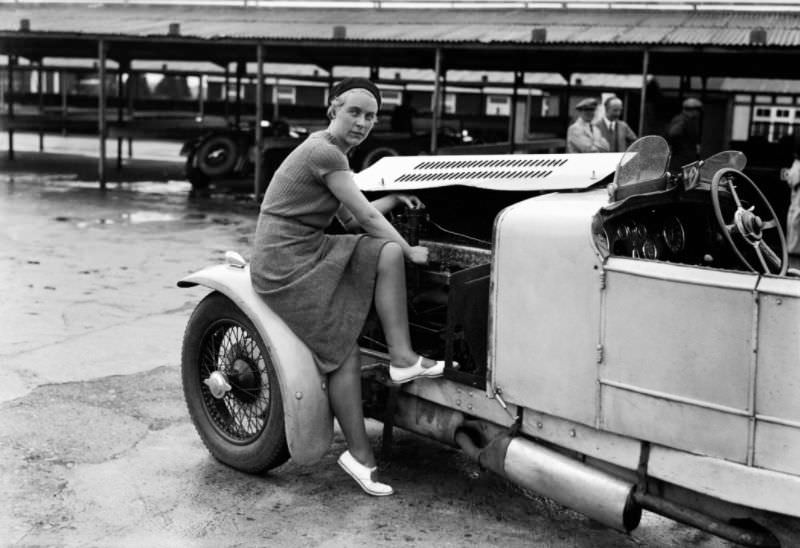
[617, 338]
[227, 155]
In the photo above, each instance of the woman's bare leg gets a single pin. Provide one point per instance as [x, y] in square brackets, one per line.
[344, 389]
[390, 303]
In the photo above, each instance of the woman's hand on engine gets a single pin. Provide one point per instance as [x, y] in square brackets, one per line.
[418, 254]
[410, 201]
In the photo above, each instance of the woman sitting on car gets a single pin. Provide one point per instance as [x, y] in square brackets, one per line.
[323, 285]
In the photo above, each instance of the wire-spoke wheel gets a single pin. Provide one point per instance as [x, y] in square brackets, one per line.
[231, 387]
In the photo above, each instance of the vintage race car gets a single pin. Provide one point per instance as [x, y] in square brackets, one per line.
[617, 338]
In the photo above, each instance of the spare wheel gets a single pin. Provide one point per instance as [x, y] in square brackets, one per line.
[217, 155]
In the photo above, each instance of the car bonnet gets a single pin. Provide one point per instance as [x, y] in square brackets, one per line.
[509, 172]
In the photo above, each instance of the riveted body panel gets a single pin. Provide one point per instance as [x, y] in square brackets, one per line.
[678, 343]
[546, 305]
[777, 435]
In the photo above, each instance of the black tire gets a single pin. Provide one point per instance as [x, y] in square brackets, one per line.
[376, 154]
[197, 178]
[244, 428]
[217, 156]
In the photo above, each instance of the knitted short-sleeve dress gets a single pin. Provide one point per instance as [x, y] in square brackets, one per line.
[320, 284]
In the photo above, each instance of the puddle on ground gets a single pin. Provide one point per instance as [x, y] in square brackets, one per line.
[12, 178]
[149, 203]
[145, 187]
[58, 182]
[141, 217]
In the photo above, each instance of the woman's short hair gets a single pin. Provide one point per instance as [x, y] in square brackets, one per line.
[336, 103]
[339, 100]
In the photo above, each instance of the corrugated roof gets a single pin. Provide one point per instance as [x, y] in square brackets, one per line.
[757, 85]
[715, 28]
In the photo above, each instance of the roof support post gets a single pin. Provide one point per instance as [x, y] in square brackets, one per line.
[643, 101]
[704, 99]
[682, 87]
[40, 86]
[131, 95]
[437, 102]
[259, 160]
[101, 111]
[512, 114]
[276, 108]
[225, 92]
[703, 88]
[239, 70]
[201, 95]
[62, 84]
[12, 62]
[567, 97]
[329, 90]
[120, 107]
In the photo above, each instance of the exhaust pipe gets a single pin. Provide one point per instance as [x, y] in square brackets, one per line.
[595, 493]
[599, 495]
[428, 419]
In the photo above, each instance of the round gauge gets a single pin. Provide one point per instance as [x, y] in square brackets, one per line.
[674, 234]
[603, 243]
[638, 233]
[650, 249]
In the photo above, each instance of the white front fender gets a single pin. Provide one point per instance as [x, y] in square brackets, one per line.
[307, 412]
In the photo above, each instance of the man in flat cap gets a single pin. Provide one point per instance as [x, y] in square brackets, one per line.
[616, 132]
[683, 134]
[583, 135]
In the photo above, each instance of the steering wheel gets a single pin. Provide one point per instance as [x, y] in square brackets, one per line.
[746, 229]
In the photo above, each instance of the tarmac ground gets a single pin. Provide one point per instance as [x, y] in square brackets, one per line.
[96, 447]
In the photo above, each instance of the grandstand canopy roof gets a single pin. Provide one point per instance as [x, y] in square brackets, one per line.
[565, 40]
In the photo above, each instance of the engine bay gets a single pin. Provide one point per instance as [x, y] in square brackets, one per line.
[448, 298]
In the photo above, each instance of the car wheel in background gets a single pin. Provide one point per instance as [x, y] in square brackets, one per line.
[217, 155]
[376, 154]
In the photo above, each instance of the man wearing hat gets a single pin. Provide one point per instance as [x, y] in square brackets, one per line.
[683, 134]
[583, 135]
[616, 132]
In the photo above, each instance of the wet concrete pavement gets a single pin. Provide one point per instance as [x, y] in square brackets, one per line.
[96, 448]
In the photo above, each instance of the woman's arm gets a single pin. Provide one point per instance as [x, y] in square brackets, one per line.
[370, 217]
[384, 204]
[387, 203]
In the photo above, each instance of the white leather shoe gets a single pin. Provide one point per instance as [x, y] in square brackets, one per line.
[400, 375]
[363, 476]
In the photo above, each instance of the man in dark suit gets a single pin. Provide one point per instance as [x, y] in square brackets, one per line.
[683, 134]
[617, 133]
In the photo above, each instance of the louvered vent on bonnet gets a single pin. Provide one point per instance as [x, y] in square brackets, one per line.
[501, 172]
